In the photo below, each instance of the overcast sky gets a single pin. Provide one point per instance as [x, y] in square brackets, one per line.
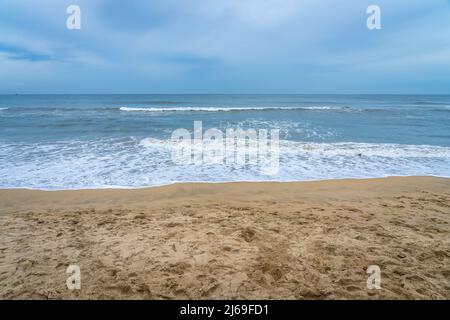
[225, 46]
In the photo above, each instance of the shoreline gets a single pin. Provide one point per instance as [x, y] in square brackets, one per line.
[239, 240]
[218, 182]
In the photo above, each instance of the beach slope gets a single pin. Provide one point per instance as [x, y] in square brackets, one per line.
[299, 240]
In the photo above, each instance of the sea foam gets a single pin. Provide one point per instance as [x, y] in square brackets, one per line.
[136, 163]
[227, 109]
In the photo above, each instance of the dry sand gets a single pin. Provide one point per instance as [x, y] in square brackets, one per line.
[307, 240]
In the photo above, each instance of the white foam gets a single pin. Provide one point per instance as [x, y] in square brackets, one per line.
[226, 109]
[136, 163]
[352, 149]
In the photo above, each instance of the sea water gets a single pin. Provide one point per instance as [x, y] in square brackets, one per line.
[101, 141]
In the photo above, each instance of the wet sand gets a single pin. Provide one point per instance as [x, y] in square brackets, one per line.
[300, 240]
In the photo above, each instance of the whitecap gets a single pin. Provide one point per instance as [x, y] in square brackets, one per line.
[137, 162]
[228, 109]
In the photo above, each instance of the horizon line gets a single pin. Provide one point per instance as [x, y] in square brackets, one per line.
[259, 94]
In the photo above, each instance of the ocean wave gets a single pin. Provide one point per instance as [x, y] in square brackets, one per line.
[3, 109]
[338, 149]
[231, 109]
[135, 162]
[151, 102]
[60, 109]
[443, 109]
[356, 149]
[432, 103]
[176, 109]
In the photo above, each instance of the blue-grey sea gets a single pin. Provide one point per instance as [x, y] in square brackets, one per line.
[101, 141]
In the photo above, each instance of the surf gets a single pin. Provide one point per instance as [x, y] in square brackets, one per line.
[228, 109]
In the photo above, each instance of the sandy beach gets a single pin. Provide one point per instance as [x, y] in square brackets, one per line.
[299, 240]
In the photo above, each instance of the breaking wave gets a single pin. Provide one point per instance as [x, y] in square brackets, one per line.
[228, 109]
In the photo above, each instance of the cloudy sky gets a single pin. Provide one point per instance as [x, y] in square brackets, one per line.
[225, 46]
